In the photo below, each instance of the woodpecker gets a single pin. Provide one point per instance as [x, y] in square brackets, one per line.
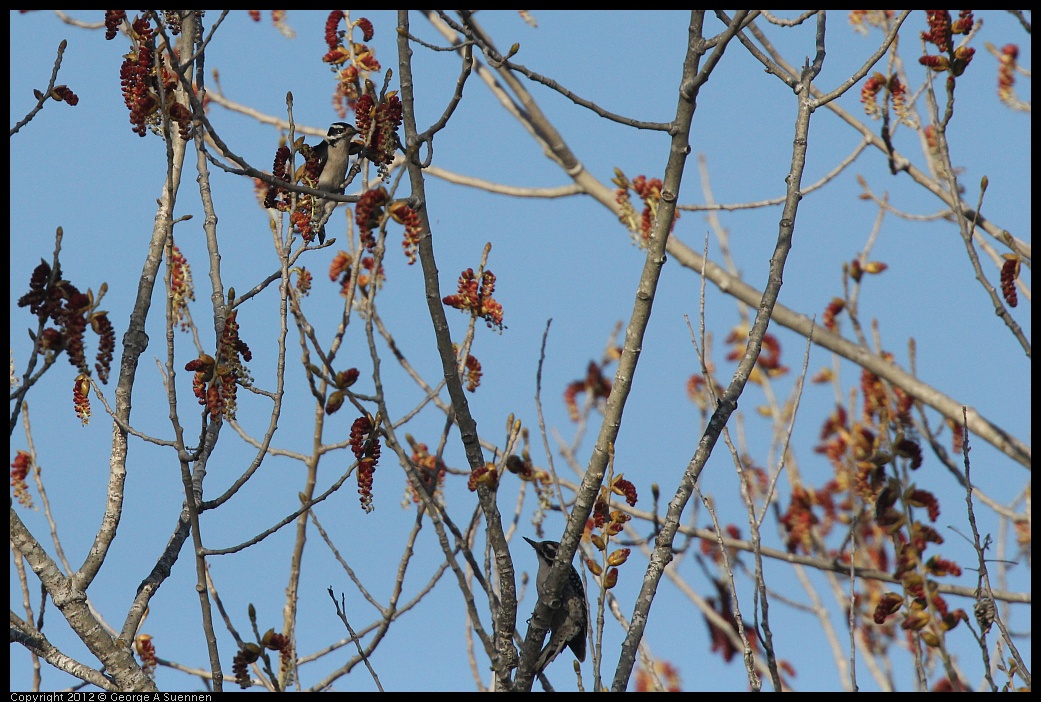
[334, 154]
[570, 621]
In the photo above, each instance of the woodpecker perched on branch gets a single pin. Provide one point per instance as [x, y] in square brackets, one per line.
[334, 154]
[569, 621]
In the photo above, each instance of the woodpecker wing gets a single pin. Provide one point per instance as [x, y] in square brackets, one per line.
[322, 152]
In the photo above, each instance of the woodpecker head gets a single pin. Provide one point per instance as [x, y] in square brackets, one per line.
[340, 130]
[546, 550]
[343, 133]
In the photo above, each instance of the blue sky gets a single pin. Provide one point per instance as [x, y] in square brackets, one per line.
[567, 259]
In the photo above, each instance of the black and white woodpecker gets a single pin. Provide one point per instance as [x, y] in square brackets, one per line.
[570, 621]
[334, 154]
